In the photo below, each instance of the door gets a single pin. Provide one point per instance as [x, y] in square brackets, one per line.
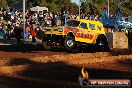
[84, 34]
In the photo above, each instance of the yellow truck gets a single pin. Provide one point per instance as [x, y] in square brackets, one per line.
[76, 33]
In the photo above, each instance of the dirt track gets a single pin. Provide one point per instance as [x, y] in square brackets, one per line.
[28, 66]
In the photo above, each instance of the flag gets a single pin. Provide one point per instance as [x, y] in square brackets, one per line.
[105, 13]
[118, 14]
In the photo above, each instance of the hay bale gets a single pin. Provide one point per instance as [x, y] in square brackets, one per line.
[117, 40]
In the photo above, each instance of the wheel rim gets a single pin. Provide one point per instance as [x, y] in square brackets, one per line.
[70, 43]
[101, 45]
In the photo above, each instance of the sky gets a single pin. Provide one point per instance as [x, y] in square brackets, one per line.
[76, 1]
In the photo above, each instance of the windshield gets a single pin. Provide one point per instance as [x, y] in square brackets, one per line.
[72, 23]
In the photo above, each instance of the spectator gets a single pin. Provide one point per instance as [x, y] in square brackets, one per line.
[27, 32]
[1, 27]
[57, 19]
[53, 21]
[96, 17]
[33, 32]
[49, 20]
[17, 32]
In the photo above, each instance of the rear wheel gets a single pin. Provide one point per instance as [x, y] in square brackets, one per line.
[102, 44]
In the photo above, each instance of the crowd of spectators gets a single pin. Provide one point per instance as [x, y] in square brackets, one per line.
[11, 22]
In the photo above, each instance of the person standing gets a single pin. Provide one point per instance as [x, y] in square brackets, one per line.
[1, 30]
[33, 32]
[17, 32]
[57, 19]
[27, 32]
[1, 27]
[53, 20]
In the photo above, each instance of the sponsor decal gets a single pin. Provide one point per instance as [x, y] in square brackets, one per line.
[84, 78]
[73, 30]
[85, 81]
[82, 35]
[70, 28]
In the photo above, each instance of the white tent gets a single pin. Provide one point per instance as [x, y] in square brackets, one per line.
[37, 8]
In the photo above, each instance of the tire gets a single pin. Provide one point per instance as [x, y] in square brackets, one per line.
[102, 44]
[46, 46]
[69, 43]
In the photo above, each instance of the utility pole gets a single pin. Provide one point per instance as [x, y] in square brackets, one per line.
[108, 8]
[24, 20]
[79, 8]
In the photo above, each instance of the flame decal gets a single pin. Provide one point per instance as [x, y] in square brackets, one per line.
[84, 73]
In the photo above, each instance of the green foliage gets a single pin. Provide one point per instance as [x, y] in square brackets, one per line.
[87, 6]
[30, 4]
[95, 6]
[42, 3]
[3, 4]
[73, 8]
[53, 7]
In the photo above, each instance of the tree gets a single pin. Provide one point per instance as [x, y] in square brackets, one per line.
[42, 3]
[91, 6]
[74, 8]
[85, 7]
[63, 4]
[53, 7]
[4, 4]
[29, 5]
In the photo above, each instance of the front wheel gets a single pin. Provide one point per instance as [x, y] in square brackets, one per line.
[69, 43]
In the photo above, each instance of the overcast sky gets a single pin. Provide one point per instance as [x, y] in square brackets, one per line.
[76, 1]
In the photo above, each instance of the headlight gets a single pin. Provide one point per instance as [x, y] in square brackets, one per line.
[60, 29]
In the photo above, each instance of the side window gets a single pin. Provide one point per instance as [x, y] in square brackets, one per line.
[99, 27]
[83, 25]
[92, 26]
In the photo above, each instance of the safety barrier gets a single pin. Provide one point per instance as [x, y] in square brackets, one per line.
[117, 40]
